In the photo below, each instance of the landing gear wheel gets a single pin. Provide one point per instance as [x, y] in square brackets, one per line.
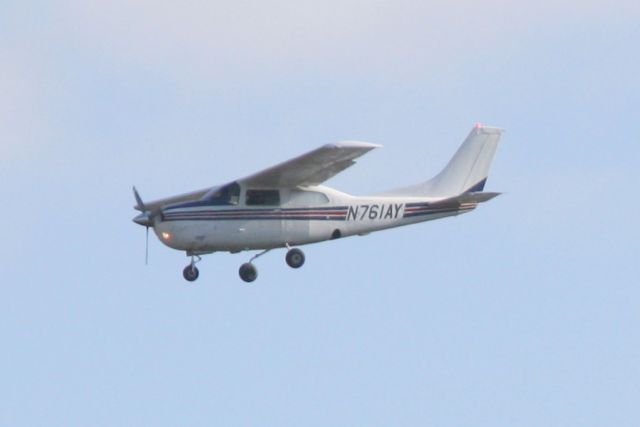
[248, 272]
[190, 272]
[295, 258]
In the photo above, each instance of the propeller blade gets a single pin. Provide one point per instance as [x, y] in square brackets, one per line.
[145, 219]
[146, 249]
[139, 199]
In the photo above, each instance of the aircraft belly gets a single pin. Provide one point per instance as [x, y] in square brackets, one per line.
[228, 235]
[255, 234]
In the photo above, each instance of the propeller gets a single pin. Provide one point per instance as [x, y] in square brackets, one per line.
[145, 219]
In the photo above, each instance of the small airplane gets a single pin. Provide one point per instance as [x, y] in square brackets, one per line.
[286, 206]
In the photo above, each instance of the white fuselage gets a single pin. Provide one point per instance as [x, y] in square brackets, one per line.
[301, 216]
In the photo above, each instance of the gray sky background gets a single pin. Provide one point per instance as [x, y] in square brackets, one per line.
[524, 312]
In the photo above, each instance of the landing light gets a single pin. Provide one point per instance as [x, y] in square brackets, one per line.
[166, 236]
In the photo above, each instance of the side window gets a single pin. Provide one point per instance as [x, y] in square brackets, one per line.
[263, 197]
[227, 195]
[234, 193]
[307, 198]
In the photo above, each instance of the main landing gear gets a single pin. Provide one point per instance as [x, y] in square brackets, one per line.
[248, 271]
[295, 258]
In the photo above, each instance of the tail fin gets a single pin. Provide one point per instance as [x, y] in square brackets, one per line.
[466, 172]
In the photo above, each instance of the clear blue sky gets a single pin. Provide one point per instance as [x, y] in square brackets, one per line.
[524, 312]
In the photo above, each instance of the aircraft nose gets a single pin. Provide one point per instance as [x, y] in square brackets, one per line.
[144, 219]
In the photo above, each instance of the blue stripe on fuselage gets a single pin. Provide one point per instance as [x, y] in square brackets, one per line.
[325, 213]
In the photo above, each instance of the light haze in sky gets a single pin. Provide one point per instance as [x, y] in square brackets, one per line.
[524, 312]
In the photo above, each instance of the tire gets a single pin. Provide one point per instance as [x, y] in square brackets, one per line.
[295, 258]
[248, 272]
[190, 273]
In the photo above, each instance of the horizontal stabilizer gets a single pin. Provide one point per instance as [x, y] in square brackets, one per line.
[476, 197]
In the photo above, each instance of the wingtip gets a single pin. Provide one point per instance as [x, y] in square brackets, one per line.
[479, 127]
[355, 144]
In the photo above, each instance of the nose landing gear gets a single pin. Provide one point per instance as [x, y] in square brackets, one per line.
[191, 272]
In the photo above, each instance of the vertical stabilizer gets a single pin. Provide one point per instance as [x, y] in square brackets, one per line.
[467, 170]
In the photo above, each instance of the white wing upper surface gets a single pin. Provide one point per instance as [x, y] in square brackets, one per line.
[312, 168]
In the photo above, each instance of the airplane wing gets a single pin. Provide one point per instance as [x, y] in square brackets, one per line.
[311, 168]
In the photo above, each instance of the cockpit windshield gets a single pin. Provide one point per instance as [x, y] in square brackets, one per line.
[226, 195]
